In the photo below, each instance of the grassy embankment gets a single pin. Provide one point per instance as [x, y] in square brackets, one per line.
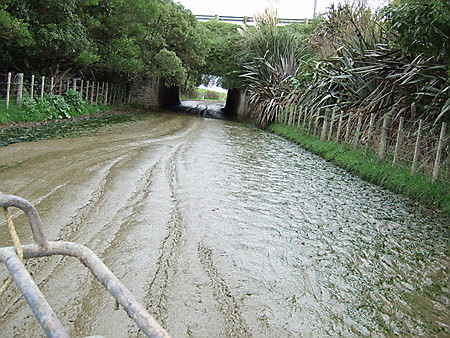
[15, 114]
[204, 94]
[366, 165]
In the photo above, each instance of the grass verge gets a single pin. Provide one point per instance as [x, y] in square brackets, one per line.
[366, 165]
[15, 114]
[203, 94]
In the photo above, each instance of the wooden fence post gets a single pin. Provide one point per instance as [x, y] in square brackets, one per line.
[384, 137]
[42, 86]
[96, 94]
[358, 132]
[19, 89]
[370, 132]
[52, 84]
[330, 131]
[60, 86]
[316, 125]
[285, 116]
[74, 84]
[440, 145]
[347, 128]
[92, 92]
[103, 90]
[300, 115]
[417, 148]
[310, 121]
[105, 99]
[326, 119]
[32, 87]
[339, 128]
[122, 97]
[8, 89]
[86, 96]
[81, 87]
[291, 111]
[398, 141]
[67, 85]
[111, 94]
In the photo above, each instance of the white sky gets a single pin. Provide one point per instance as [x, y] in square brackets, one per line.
[294, 9]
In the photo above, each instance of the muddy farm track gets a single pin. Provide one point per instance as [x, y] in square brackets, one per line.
[222, 231]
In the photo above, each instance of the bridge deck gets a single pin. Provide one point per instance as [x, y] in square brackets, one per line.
[247, 19]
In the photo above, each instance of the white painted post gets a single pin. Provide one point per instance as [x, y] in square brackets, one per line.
[74, 84]
[42, 86]
[52, 84]
[81, 88]
[32, 87]
[8, 89]
[60, 86]
[68, 85]
[437, 161]
[398, 141]
[417, 149]
[19, 89]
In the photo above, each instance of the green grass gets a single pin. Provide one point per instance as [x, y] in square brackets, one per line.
[366, 165]
[15, 114]
[204, 94]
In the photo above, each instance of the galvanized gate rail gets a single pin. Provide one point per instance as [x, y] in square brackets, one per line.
[35, 299]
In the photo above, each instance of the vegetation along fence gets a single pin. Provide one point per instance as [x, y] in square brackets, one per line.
[422, 147]
[14, 87]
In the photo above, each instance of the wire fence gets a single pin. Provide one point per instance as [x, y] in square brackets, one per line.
[421, 147]
[15, 86]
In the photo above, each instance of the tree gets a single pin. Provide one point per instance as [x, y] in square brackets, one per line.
[223, 52]
[420, 26]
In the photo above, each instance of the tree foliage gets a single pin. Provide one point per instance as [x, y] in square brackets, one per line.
[110, 39]
[273, 59]
[223, 45]
[420, 26]
[357, 67]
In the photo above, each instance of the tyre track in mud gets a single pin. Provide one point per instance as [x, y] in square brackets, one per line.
[41, 276]
[77, 228]
[158, 289]
[45, 270]
[96, 294]
[227, 304]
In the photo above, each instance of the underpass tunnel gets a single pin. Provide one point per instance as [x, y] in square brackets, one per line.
[169, 97]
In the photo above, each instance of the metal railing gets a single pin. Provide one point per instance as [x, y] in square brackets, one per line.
[247, 19]
[35, 299]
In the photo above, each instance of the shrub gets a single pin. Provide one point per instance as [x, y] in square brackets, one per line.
[75, 100]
